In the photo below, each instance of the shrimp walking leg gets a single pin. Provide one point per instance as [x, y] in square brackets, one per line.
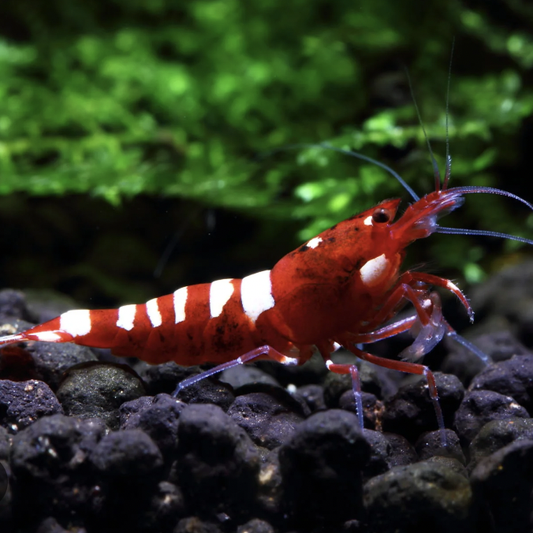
[410, 368]
[262, 351]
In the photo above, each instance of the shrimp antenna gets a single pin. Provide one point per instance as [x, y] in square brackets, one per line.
[351, 153]
[436, 172]
[482, 232]
[327, 146]
[448, 168]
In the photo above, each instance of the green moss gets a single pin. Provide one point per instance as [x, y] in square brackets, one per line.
[116, 99]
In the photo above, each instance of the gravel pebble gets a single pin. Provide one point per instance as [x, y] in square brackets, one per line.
[498, 345]
[195, 525]
[50, 463]
[512, 377]
[5, 444]
[429, 445]
[208, 391]
[157, 416]
[372, 407]
[217, 462]
[241, 375]
[130, 453]
[255, 526]
[22, 403]
[381, 452]
[480, 407]
[269, 421]
[410, 411]
[313, 395]
[164, 377]
[403, 452]
[502, 484]
[13, 304]
[499, 433]
[425, 496]
[322, 467]
[51, 525]
[98, 390]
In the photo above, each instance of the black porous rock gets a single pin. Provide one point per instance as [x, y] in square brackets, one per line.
[164, 377]
[497, 434]
[22, 403]
[255, 526]
[509, 294]
[209, 391]
[350, 526]
[157, 416]
[241, 375]
[44, 304]
[13, 304]
[462, 363]
[166, 507]
[417, 498]
[137, 505]
[51, 361]
[268, 420]
[403, 452]
[372, 408]
[387, 450]
[410, 411]
[270, 484]
[499, 346]
[430, 445]
[51, 468]
[127, 454]
[335, 385]
[5, 480]
[98, 390]
[195, 525]
[45, 361]
[282, 395]
[217, 463]
[480, 407]
[513, 377]
[370, 376]
[502, 485]
[313, 371]
[129, 467]
[51, 525]
[381, 452]
[322, 467]
[5, 443]
[313, 395]
[450, 463]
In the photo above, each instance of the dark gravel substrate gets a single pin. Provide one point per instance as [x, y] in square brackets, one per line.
[87, 444]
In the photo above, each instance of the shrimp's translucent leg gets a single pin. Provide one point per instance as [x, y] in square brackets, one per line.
[410, 368]
[348, 368]
[263, 352]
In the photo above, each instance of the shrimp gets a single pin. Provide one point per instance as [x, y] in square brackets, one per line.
[337, 289]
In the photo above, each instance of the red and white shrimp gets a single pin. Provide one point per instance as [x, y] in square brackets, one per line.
[338, 288]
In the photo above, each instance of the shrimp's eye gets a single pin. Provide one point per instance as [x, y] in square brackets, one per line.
[381, 215]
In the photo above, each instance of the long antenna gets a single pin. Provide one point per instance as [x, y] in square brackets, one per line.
[448, 170]
[436, 172]
[327, 146]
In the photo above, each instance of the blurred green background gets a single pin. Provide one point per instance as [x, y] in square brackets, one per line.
[136, 136]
